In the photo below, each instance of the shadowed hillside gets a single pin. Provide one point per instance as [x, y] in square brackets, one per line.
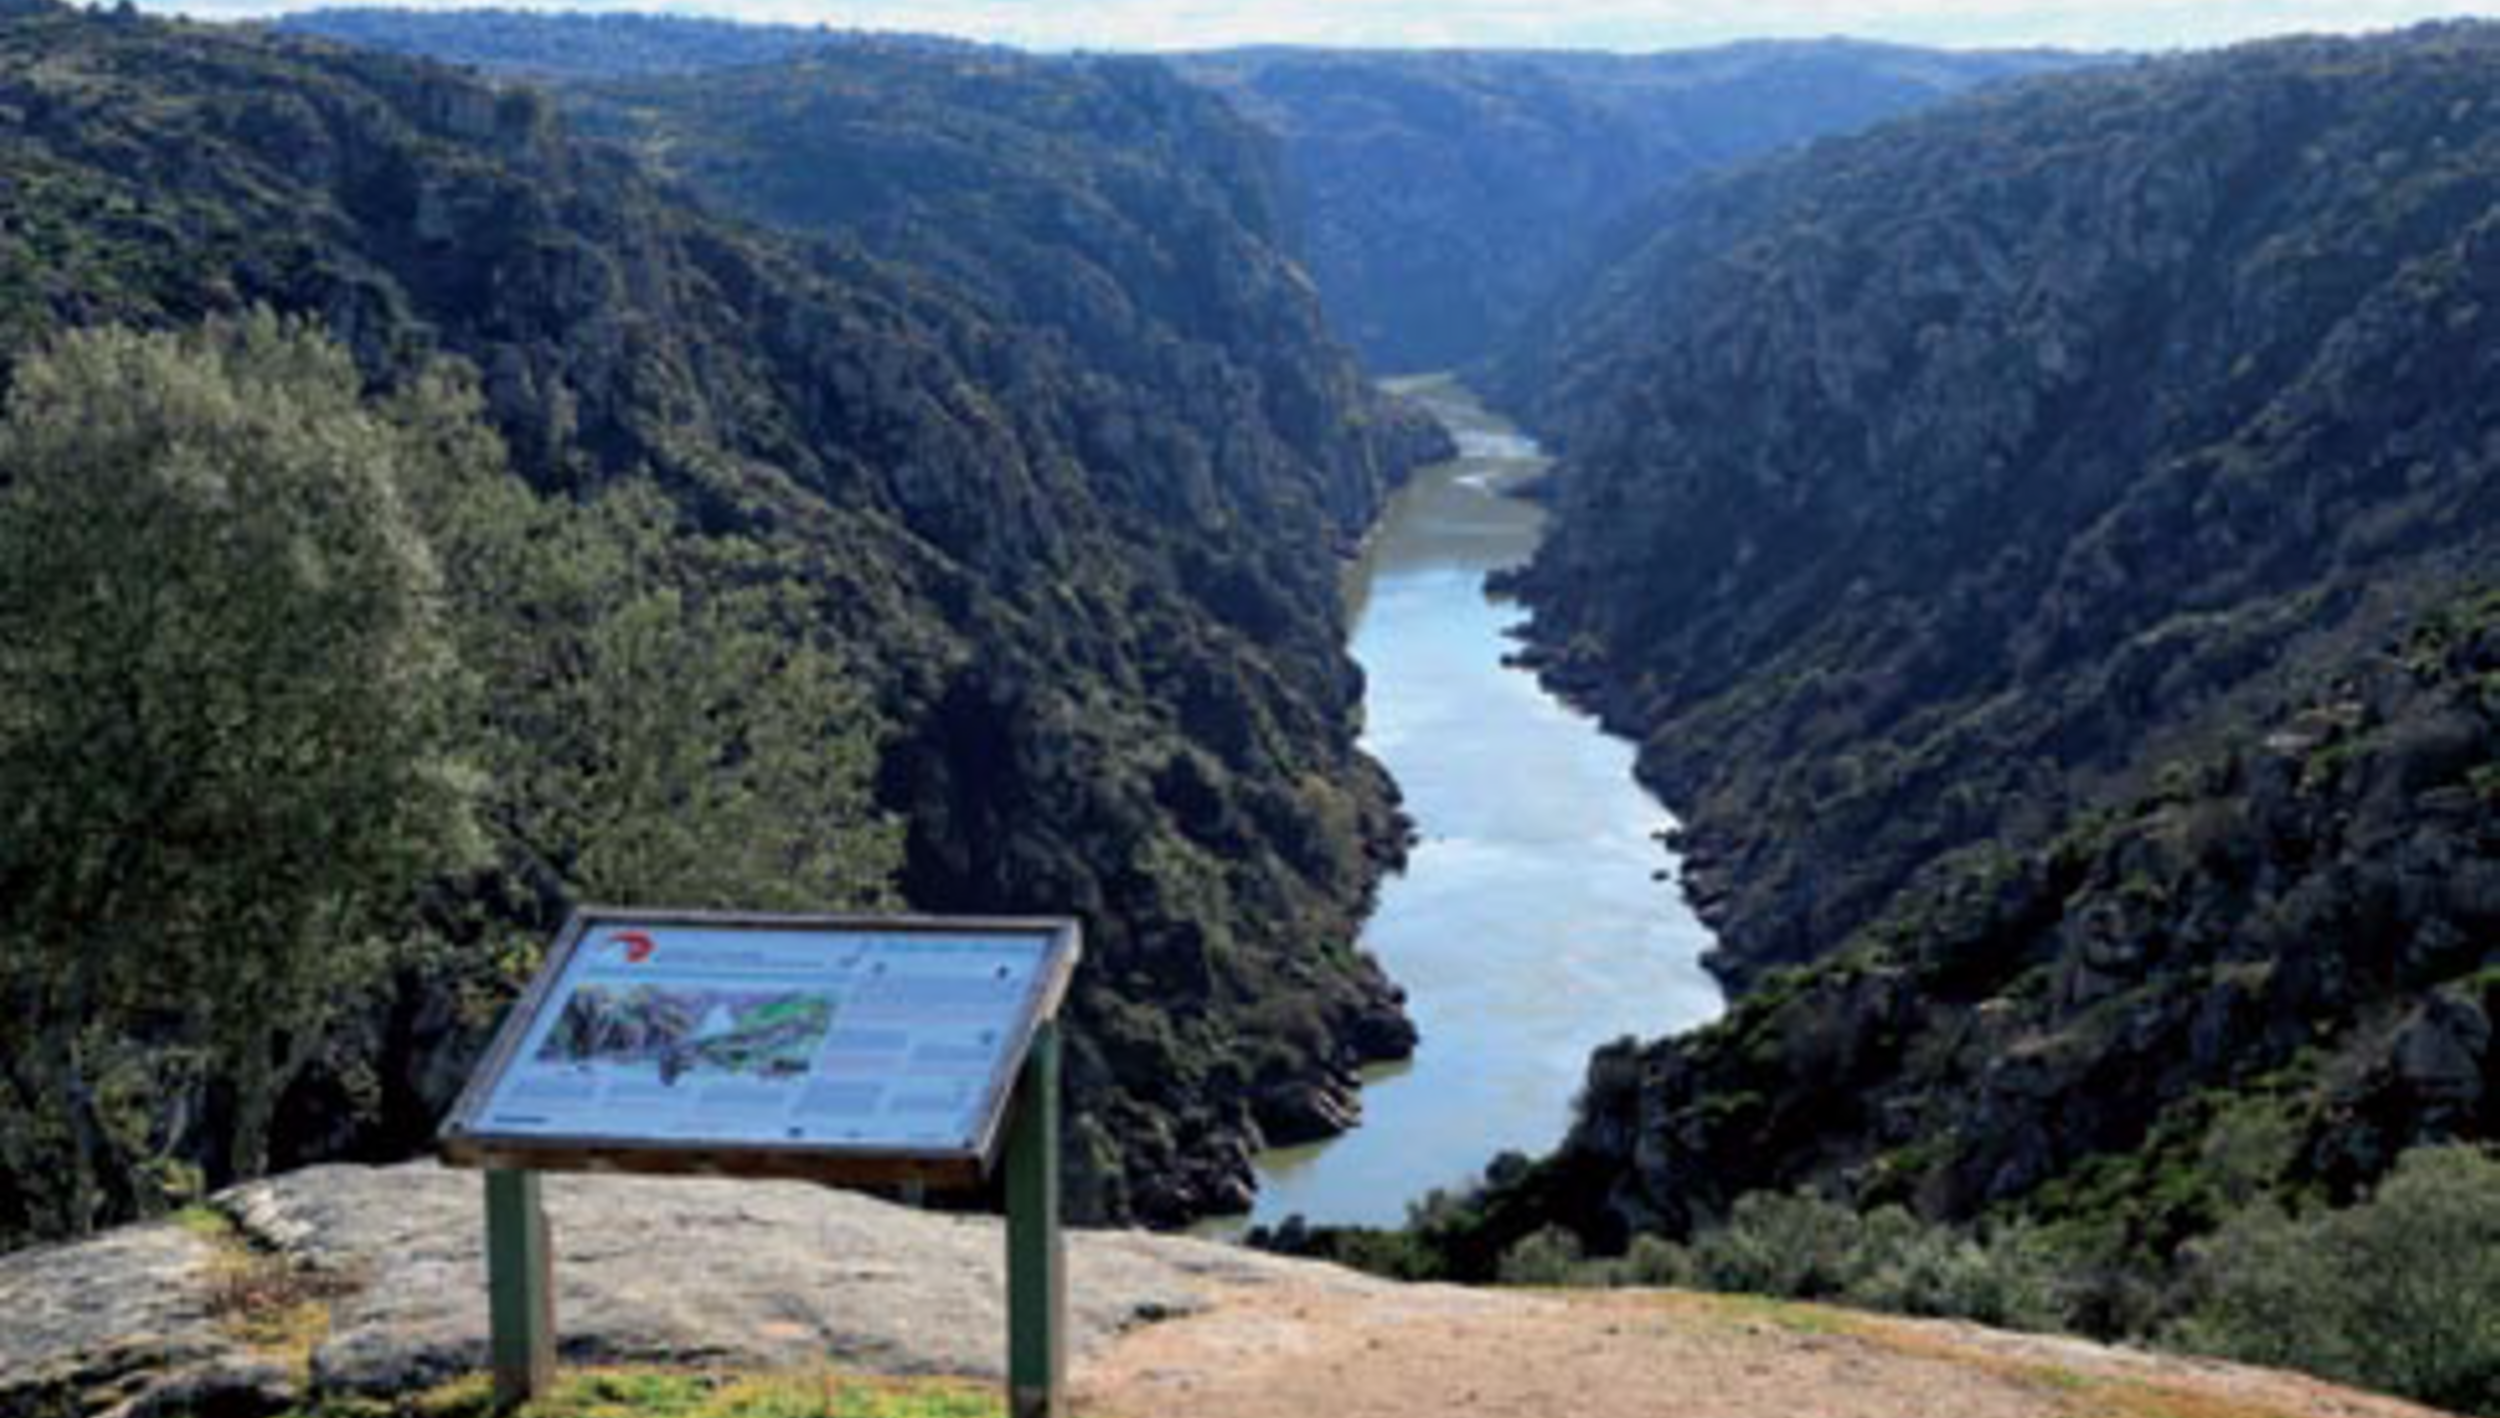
[1442, 194]
[1098, 632]
[2044, 548]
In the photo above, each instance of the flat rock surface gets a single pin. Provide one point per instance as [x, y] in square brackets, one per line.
[662, 1271]
[107, 1323]
[140, 1322]
[696, 1271]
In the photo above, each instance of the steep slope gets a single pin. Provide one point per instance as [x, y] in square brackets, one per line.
[1919, 485]
[1442, 194]
[1102, 200]
[1114, 687]
[1437, 196]
[2044, 547]
[577, 45]
[2269, 976]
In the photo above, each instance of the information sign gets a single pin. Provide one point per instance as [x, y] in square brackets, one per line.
[845, 1049]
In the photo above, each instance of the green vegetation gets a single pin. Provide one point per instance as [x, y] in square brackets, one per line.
[772, 568]
[2396, 1292]
[1504, 166]
[1803, 1247]
[586, 44]
[663, 1393]
[255, 716]
[226, 742]
[647, 740]
[2044, 548]
[1448, 193]
[2400, 1292]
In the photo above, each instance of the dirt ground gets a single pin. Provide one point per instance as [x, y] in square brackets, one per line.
[1283, 1352]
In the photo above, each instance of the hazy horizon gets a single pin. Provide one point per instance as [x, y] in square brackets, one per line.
[1619, 25]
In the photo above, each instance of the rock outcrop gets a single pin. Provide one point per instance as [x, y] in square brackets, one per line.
[1084, 568]
[681, 1273]
[1925, 488]
[1441, 195]
[745, 1277]
[2045, 548]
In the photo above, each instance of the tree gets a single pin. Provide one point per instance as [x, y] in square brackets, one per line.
[2401, 1292]
[657, 726]
[225, 716]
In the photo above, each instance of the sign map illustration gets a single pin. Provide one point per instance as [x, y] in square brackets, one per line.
[744, 1034]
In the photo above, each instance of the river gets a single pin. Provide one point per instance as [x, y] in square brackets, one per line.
[1537, 917]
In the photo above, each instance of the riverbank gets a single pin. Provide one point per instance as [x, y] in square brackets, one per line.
[1538, 915]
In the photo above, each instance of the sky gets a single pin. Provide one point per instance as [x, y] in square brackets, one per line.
[1593, 24]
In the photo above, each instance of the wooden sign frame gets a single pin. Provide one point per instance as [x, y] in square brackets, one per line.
[1020, 1112]
[464, 1142]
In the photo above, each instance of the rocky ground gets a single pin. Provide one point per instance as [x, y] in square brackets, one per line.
[370, 1280]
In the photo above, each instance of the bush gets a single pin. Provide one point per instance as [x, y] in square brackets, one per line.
[227, 711]
[1547, 1257]
[2400, 1293]
[1655, 1261]
[1910, 1268]
[1799, 1247]
[1802, 1247]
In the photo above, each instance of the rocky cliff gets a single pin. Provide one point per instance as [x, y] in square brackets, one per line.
[2042, 547]
[1436, 196]
[1102, 202]
[2271, 974]
[1442, 194]
[1105, 648]
[1921, 484]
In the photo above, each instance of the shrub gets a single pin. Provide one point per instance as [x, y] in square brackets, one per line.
[227, 704]
[1911, 1268]
[1547, 1257]
[1796, 1246]
[1655, 1261]
[2400, 1293]
[1802, 1247]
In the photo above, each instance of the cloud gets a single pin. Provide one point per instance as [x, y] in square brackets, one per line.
[1607, 24]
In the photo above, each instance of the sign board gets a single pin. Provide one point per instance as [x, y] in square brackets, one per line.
[847, 1049]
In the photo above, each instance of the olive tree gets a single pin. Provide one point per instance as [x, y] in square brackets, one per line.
[2399, 1292]
[225, 693]
[660, 716]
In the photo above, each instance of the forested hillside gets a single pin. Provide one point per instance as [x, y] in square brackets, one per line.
[587, 44]
[2045, 548]
[1104, 200]
[1083, 646]
[1442, 194]
[1436, 195]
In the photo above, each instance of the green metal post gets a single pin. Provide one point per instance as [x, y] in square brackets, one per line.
[1037, 1269]
[520, 1287]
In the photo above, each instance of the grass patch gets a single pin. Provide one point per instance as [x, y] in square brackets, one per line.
[2078, 1393]
[1759, 1312]
[677, 1393]
[261, 1297]
[207, 1223]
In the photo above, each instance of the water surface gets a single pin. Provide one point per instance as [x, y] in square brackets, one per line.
[1537, 917]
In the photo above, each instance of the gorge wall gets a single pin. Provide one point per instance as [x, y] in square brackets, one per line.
[1441, 195]
[1087, 587]
[2044, 547]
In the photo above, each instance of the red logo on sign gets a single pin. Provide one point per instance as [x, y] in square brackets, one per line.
[638, 947]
